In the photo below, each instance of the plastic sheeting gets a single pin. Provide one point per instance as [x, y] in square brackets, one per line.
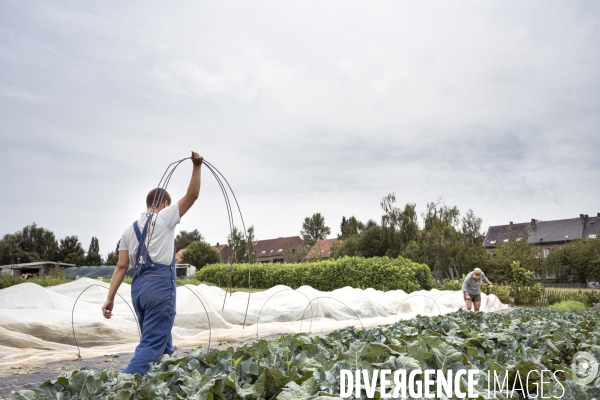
[35, 322]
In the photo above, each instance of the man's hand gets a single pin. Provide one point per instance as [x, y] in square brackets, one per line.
[197, 159]
[107, 309]
[490, 286]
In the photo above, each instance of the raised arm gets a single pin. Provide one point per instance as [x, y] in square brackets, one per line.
[193, 191]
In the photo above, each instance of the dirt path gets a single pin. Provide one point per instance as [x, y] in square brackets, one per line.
[32, 377]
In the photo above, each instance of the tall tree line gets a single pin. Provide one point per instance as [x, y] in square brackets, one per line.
[33, 243]
[444, 240]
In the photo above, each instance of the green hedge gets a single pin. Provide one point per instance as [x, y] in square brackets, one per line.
[380, 273]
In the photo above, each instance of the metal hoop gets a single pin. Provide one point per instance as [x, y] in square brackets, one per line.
[332, 298]
[73, 313]
[207, 316]
[415, 295]
[282, 290]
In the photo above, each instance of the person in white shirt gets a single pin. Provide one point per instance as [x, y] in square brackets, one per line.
[149, 246]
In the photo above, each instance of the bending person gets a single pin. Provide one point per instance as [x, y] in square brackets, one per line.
[153, 286]
[471, 288]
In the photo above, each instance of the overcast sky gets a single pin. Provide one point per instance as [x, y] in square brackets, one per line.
[304, 106]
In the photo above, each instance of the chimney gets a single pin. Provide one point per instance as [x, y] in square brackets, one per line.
[586, 216]
[533, 222]
[305, 240]
[598, 215]
[217, 244]
[581, 218]
[511, 224]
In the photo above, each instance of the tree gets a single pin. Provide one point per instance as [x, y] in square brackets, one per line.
[75, 258]
[199, 254]
[576, 261]
[369, 243]
[94, 259]
[342, 225]
[471, 229]
[113, 256]
[93, 256]
[370, 223]
[314, 227]
[350, 227]
[185, 238]
[347, 247]
[514, 249]
[11, 252]
[32, 243]
[71, 251]
[400, 226]
[94, 245]
[239, 245]
[372, 243]
[440, 239]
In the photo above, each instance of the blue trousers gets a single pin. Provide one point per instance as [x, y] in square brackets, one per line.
[153, 296]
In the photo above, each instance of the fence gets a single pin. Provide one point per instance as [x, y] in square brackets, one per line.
[550, 296]
[547, 296]
[569, 285]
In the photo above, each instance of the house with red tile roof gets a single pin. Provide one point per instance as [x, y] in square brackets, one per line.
[223, 250]
[321, 249]
[273, 250]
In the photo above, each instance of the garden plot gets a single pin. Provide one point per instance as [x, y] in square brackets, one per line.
[36, 324]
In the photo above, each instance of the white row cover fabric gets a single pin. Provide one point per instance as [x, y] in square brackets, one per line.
[35, 322]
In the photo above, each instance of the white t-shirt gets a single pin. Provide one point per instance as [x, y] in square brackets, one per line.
[162, 245]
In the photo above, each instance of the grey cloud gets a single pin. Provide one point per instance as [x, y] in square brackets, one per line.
[305, 106]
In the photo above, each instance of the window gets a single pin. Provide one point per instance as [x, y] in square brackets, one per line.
[493, 242]
[505, 240]
[592, 236]
[263, 252]
[280, 250]
[537, 275]
[519, 239]
[546, 252]
[550, 274]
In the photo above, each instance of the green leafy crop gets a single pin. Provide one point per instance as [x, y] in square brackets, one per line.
[303, 367]
[569, 306]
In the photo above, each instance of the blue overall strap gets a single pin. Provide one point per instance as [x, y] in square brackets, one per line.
[174, 251]
[141, 236]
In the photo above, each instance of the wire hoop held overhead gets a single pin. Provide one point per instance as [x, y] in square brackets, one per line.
[225, 189]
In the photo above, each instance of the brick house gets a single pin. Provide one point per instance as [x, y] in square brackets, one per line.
[178, 255]
[272, 250]
[547, 235]
[321, 249]
[223, 250]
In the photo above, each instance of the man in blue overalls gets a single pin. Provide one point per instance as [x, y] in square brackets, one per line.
[149, 245]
